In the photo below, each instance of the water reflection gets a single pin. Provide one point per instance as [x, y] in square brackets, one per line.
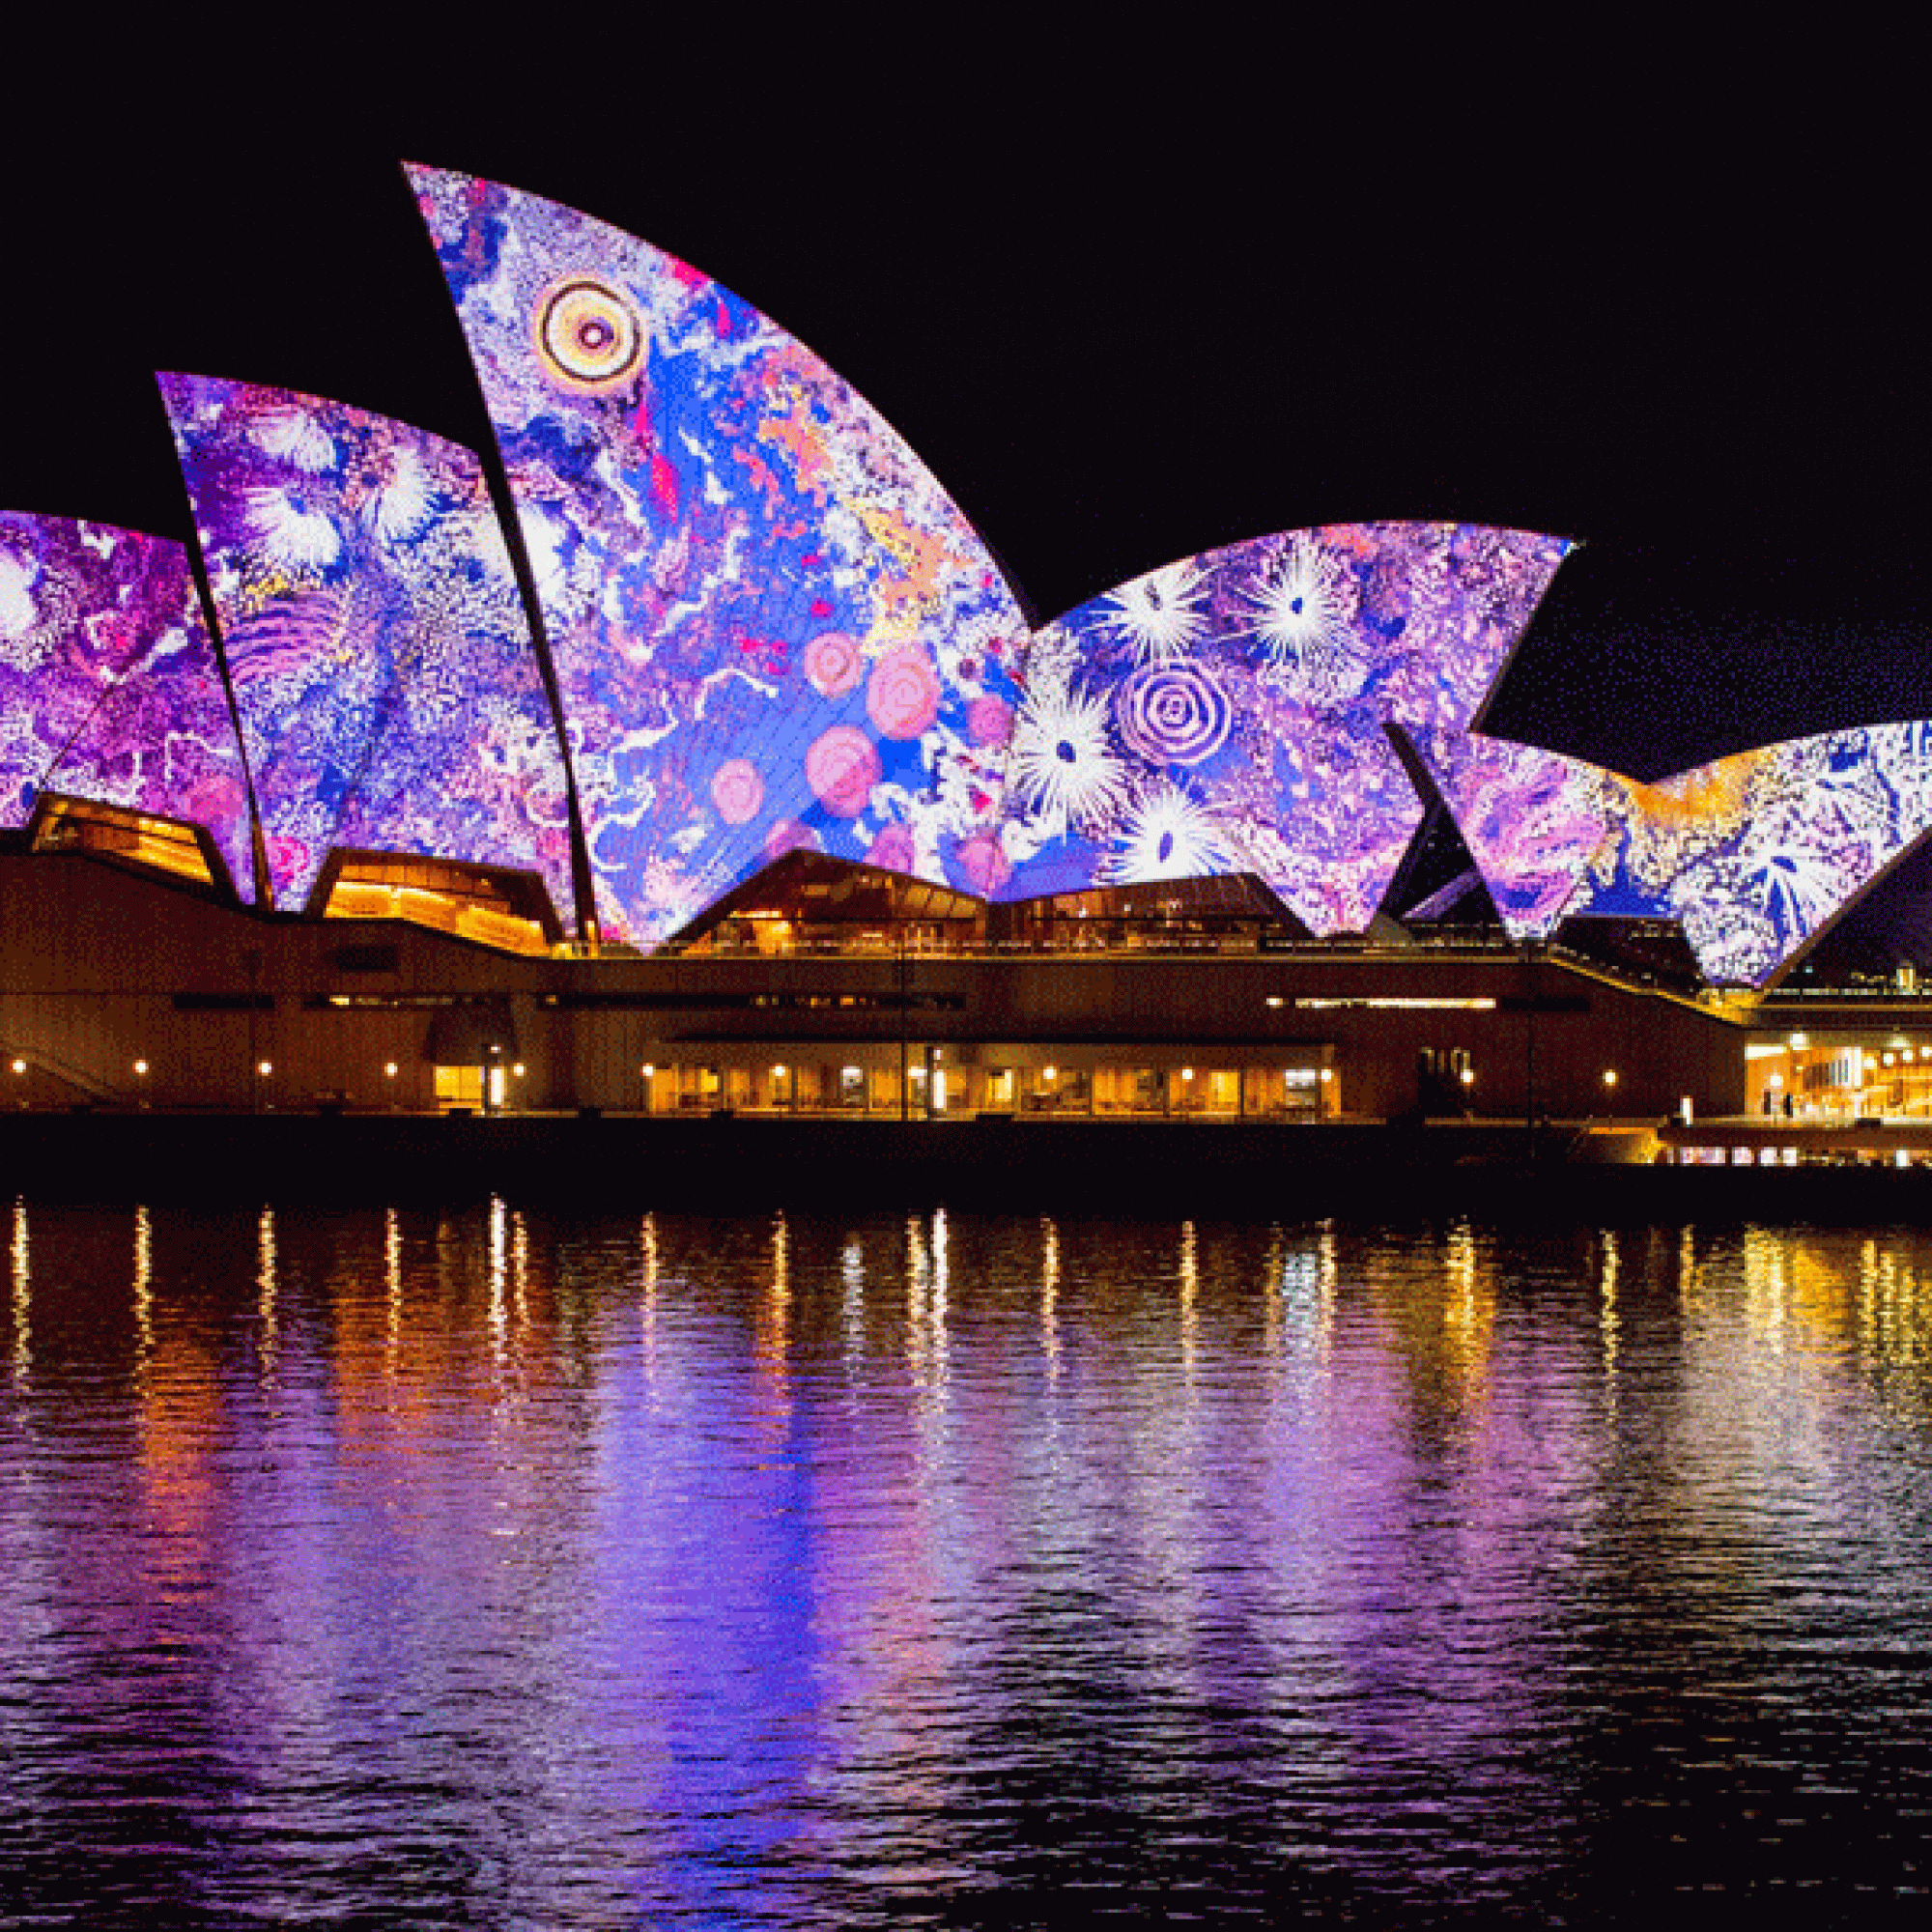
[502, 1569]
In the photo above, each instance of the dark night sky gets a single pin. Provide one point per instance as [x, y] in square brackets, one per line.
[1127, 303]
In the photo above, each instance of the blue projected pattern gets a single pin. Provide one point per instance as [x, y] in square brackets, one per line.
[1228, 713]
[381, 659]
[771, 627]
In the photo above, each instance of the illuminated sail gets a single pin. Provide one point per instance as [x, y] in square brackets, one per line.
[770, 626]
[384, 674]
[1227, 713]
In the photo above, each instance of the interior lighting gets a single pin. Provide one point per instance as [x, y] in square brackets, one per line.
[1889, 1058]
[1048, 1072]
[1188, 1073]
[19, 1067]
[1327, 1073]
[778, 1074]
[391, 1070]
[1274, 999]
[1468, 1076]
[141, 1067]
[1800, 1041]
[1610, 1076]
[517, 1071]
[266, 1067]
[648, 1069]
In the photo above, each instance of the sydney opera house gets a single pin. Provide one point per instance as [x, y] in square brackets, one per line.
[692, 752]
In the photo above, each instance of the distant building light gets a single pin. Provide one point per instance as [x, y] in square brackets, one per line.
[1327, 1073]
[648, 1069]
[141, 1066]
[1274, 999]
[1188, 1073]
[1048, 1072]
[778, 1074]
[1611, 1076]
[19, 1067]
[266, 1067]
[1800, 1041]
[391, 1070]
[1468, 1076]
[517, 1071]
[1406, 1005]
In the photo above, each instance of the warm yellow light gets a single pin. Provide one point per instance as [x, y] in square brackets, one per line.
[1188, 1073]
[1889, 1058]
[648, 1069]
[1610, 1076]
[140, 1067]
[19, 1067]
[1327, 1073]
[1274, 999]
[1048, 1072]
[1800, 1040]
[517, 1071]
[778, 1074]
[266, 1067]
[391, 1070]
[1468, 1076]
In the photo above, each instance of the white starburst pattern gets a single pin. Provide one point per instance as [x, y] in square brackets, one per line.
[295, 436]
[1160, 614]
[1060, 762]
[400, 507]
[16, 596]
[1301, 620]
[1168, 835]
[295, 538]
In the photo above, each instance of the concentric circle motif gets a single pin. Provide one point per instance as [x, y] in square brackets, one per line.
[1173, 714]
[902, 697]
[588, 335]
[841, 768]
[738, 791]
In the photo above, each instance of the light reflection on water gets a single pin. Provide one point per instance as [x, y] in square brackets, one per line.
[501, 1569]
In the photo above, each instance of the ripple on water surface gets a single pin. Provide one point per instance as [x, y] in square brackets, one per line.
[502, 1569]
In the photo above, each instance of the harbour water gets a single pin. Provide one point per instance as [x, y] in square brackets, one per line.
[507, 1566]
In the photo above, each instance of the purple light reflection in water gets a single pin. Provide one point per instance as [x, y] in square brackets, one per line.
[827, 1569]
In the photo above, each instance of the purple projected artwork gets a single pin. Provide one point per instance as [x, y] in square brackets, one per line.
[770, 625]
[1752, 854]
[382, 663]
[109, 684]
[1227, 713]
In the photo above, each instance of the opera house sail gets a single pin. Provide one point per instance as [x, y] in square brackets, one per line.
[772, 629]
[384, 679]
[109, 689]
[1229, 712]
